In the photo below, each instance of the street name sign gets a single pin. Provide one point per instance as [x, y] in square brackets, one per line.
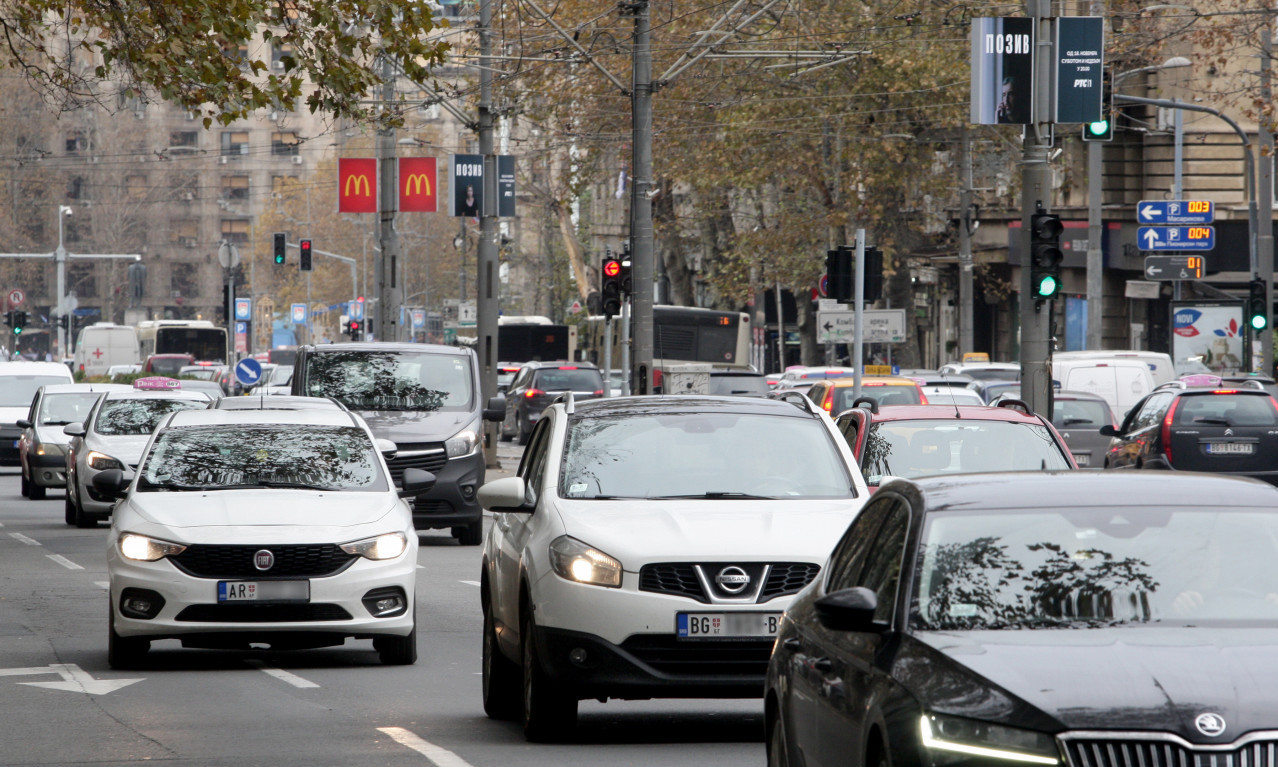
[880, 326]
[1175, 212]
[1176, 237]
[1174, 267]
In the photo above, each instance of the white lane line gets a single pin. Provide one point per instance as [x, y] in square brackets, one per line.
[282, 675]
[440, 757]
[470, 583]
[24, 539]
[107, 584]
[68, 564]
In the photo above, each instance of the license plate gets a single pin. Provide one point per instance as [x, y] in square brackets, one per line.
[1230, 448]
[263, 591]
[1082, 459]
[726, 625]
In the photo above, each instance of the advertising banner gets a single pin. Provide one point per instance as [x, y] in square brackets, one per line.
[1211, 332]
[1080, 61]
[356, 185]
[1003, 71]
[466, 185]
[506, 186]
[417, 185]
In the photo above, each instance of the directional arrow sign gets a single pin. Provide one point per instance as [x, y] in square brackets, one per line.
[1176, 237]
[1162, 212]
[1174, 267]
[74, 679]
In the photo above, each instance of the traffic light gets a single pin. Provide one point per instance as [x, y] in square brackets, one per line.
[873, 275]
[356, 330]
[19, 322]
[838, 272]
[627, 285]
[281, 246]
[304, 259]
[610, 287]
[1045, 255]
[1257, 311]
[8, 319]
[1102, 129]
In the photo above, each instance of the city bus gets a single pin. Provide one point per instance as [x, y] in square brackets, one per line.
[680, 334]
[201, 339]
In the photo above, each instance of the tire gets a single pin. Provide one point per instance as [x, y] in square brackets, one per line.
[549, 715]
[69, 509]
[778, 756]
[507, 437]
[26, 486]
[37, 492]
[470, 535]
[397, 651]
[124, 652]
[501, 675]
[524, 434]
[78, 517]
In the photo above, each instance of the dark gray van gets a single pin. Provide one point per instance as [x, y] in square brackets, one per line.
[424, 398]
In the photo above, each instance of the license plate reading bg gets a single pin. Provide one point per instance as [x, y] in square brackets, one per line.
[263, 591]
[726, 625]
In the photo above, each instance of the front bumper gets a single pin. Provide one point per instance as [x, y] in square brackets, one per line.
[452, 502]
[48, 470]
[9, 434]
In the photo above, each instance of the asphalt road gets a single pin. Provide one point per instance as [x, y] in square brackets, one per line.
[60, 704]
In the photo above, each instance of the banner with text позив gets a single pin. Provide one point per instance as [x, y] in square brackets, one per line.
[356, 185]
[1003, 71]
[466, 185]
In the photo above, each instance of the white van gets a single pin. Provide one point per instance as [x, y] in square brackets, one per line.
[1160, 365]
[104, 344]
[1120, 382]
[19, 381]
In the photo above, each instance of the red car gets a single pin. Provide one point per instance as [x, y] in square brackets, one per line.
[921, 440]
[167, 364]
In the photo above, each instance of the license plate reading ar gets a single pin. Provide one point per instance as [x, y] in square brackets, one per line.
[1230, 448]
[263, 591]
[726, 625]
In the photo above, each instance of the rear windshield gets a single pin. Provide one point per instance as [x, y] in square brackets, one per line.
[1226, 410]
[731, 384]
[993, 374]
[169, 366]
[918, 448]
[1080, 413]
[560, 379]
[884, 395]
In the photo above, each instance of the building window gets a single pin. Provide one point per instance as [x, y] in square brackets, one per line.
[75, 188]
[135, 186]
[187, 139]
[284, 143]
[185, 232]
[235, 142]
[184, 280]
[235, 230]
[76, 142]
[280, 52]
[235, 187]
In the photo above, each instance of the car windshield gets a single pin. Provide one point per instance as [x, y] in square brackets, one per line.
[366, 380]
[884, 394]
[66, 408]
[138, 417]
[18, 391]
[1226, 410]
[1080, 413]
[738, 384]
[918, 448]
[1049, 568]
[293, 456]
[701, 455]
[569, 379]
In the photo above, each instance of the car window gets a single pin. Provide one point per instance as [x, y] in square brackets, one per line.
[893, 394]
[882, 573]
[169, 366]
[849, 555]
[738, 384]
[138, 417]
[1226, 410]
[1080, 413]
[64, 409]
[562, 379]
[917, 448]
[366, 380]
[1151, 413]
[847, 427]
[226, 457]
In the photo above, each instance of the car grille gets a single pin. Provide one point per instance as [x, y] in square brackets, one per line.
[430, 507]
[702, 658]
[680, 579]
[308, 561]
[265, 613]
[425, 455]
[1155, 752]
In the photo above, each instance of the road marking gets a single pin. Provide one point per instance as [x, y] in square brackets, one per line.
[68, 564]
[107, 584]
[440, 757]
[74, 679]
[470, 583]
[24, 539]
[282, 675]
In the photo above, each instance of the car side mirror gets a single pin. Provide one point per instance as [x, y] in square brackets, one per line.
[496, 409]
[113, 483]
[387, 448]
[849, 610]
[73, 430]
[1108, 430]
[24, 423]
[508, 494]
[416, 482]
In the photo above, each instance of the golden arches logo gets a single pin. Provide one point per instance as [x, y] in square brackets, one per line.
[417, 180]
[361, 182]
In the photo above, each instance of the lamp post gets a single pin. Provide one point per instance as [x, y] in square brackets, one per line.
[60, 256]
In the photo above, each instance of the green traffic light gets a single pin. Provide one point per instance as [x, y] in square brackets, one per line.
[1259, 322]
[17, 331]
[1098, 128]
[1046, 287]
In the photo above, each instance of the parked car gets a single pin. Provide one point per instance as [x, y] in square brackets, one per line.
[537, 384]
[272, 527]
[837, 395]
[647, 547]
[1079, 417]
[42, 448]
[1065, 619]
[19, 381]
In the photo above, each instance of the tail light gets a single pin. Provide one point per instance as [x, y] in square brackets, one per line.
[1167, 422]
[598, 392]
[828, 402]
[564, 367]
[922, 397]
[530, 393]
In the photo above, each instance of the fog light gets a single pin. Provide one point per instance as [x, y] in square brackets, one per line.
[386, 602]
[468, 491]
[143, 604]
[577, 656]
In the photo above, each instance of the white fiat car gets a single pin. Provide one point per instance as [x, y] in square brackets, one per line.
[270, 526]
[648, 546]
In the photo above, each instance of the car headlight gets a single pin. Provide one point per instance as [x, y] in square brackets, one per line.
[45, 448]
[949, 739]
[101, 461]
[463, 443]
[578, 562]
[387, 546]
[142, 548]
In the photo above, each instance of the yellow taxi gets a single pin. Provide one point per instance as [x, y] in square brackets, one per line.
[837, 394]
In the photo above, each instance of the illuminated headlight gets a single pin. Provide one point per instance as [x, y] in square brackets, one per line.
[576, 561]
[49, 449]
[463, 443]
[101, 461]
[951, 740]
[143, 549]
[386, 546]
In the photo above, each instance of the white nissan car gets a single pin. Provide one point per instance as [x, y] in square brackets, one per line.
[270, 526]
[648, 546]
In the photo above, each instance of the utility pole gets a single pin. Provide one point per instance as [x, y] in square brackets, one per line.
[1036, 191]
[1094, 339]
[385, 327]
[965, 245]
[1265, 195]
[486, 304]
[641, 255]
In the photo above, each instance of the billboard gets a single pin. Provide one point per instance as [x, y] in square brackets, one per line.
[466, 185]
[1211, 332]
[1077, 83]
[1003, 71]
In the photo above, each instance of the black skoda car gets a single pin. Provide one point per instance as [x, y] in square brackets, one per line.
[1076, 619]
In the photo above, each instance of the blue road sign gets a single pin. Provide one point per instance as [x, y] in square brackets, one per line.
[1175, 212]
[1176, 237]
[243, 308]
[357, 310]
[241, 328]
[248, 371]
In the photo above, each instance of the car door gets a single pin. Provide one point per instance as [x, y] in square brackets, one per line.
[845, 714]
[514, 395]
[1129, 447]
[513, 532]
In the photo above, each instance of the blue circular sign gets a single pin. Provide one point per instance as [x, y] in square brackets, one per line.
[248, 371]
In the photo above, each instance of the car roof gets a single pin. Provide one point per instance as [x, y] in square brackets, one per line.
[387, 346]
[81, 388]
[168, 355]
[559, 363]
[843, 383]
[27, 368]
[1070, 394]
[947, 412]
[132, 393]
[658, 404]
[217, 417]
[277, 402]
[1076, 489]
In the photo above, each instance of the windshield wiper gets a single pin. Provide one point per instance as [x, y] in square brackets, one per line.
[713, 494]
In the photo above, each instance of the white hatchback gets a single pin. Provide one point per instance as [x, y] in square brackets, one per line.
[275, 527]
[648, 546]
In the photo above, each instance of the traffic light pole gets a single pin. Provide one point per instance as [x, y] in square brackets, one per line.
[1036, 191]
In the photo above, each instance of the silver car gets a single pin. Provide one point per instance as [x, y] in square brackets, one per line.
[42, 447]
[113, 437]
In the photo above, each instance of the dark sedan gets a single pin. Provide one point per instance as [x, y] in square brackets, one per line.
[1077, 619]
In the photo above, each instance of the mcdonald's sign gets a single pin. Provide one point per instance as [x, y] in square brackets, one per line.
[356, 185]
[418, 185]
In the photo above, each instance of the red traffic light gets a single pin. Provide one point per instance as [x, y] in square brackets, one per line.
[612, 268]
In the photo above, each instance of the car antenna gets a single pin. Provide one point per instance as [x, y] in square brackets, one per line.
[946, 378]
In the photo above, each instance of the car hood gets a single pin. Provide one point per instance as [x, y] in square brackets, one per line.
[638, 533]
[1107, 679]
[415, 425]
[233, 509]
[51, 435]
[125, 448]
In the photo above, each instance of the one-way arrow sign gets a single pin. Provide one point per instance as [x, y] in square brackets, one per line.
[74, 679]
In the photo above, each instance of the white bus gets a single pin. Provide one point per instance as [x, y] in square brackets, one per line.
[680, 334]
[201, 339]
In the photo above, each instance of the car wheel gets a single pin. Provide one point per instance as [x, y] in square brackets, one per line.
[36, 492]
[26, 486]
[524, 432]
[777, 754]
[124, 652]
[501, 675]
[469, 535]
[78, 516]
[506, 437]
[397, 651]
[69, 509]
[549, 714]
